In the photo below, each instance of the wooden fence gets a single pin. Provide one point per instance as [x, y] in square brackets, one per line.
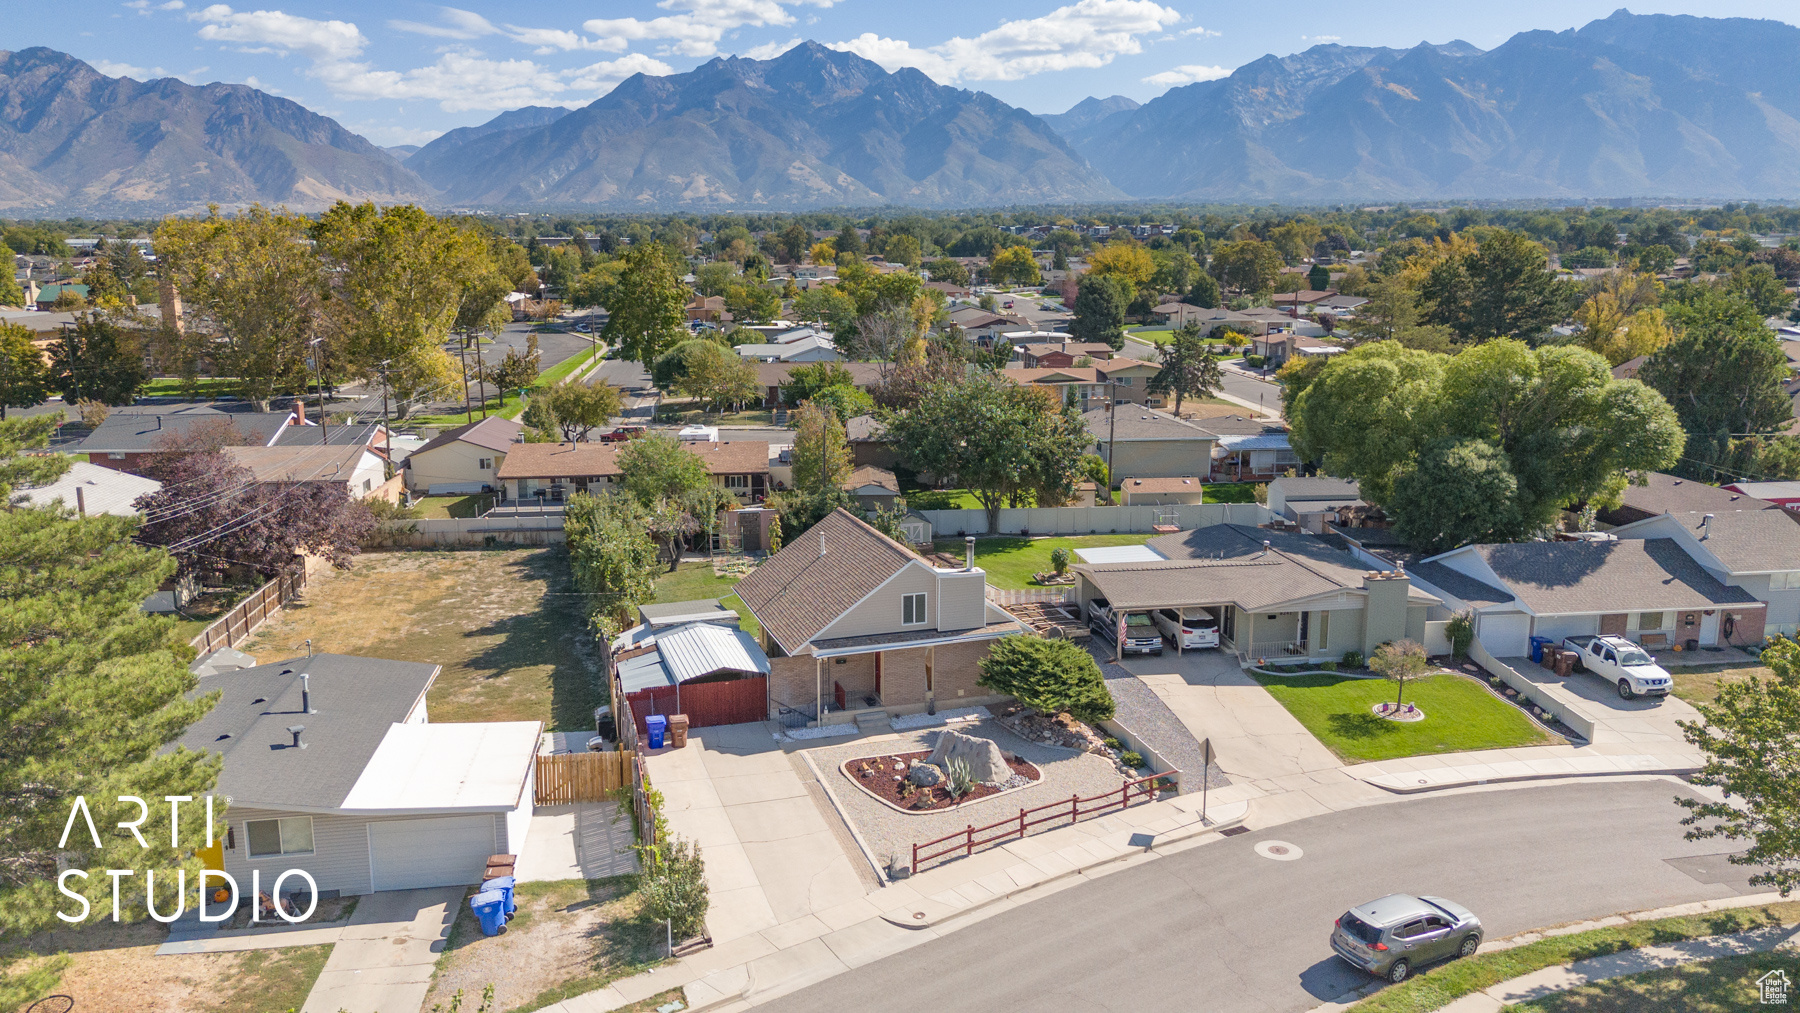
[968, 839]
[232, 627]
[567, 778]
[705, 703]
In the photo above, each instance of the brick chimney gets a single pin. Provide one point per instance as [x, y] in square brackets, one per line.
[169, 299]
[299, 411]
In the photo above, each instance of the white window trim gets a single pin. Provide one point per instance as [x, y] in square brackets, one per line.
[920, 611]
[312, 832]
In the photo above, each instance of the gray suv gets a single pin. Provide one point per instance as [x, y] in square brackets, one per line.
[1391, 937]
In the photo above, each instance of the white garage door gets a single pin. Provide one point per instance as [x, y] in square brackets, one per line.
[1507, 635]
[441, 851]
[1558, 627]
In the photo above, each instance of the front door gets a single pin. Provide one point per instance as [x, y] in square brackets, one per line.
[878, 657]
[1709, 629]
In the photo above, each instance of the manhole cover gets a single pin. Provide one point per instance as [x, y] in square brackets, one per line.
[1280, 851]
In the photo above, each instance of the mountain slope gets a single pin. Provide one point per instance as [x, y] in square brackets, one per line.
[1089, 112]
[812, 127]
[502, 130]
[1631, 105]
[74, 141]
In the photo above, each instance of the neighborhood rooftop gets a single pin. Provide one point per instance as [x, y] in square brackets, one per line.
[1565, 577]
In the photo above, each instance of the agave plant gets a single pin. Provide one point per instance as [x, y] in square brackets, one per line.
[961, 780]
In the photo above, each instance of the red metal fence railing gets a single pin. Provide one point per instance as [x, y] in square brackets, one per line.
[970, 838]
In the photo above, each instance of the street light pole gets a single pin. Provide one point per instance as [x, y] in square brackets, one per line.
[1112, 435]
[318, 346]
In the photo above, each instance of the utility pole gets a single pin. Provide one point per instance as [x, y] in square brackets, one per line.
[387, 430]
[318, 347]
[480, 378]
[462, 348]
[1112, 436]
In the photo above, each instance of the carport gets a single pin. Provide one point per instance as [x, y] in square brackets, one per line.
[1125, 587]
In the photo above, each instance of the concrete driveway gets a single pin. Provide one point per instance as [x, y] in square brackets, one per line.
[771, 859]
[385, 956]
[1254, 737]
[1645, 721]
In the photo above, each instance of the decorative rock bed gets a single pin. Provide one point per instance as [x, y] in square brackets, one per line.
[1398, 712]
[909, 784]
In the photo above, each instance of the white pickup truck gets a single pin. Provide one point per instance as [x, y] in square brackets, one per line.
[1622, 663]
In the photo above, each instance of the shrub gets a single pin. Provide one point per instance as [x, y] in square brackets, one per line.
[1131, 759]
[1351, 659]
[1461, 630]
[1254, 361]
[1059, 560]
[674, 886]
[1048, 676]
[1328, 666]
[1113, 744]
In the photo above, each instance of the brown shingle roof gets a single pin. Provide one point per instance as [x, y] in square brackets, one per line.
[871, 475]
[297, 464]
[494, 433]
[800, 591]
[568, 460]
[1631, 575]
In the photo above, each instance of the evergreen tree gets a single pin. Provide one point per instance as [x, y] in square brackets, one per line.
[1100, 304]
[93, 691]
[1188, 368]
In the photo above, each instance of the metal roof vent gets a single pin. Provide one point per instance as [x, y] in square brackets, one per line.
[295, 731]
[1706, 527]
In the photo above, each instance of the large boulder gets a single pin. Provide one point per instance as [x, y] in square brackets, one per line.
[924, 775]
[986, 763]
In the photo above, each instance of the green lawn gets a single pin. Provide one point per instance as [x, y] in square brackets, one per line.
[511, 406]
[1444, 983]
[942, 499]
[1010, 561]
[694, 581]
[1460, 715]
[452, 506]
[1229, 492]
[204, 387]
[679, 414]
[1707, 986]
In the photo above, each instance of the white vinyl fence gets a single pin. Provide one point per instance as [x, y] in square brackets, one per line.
[523, 529]
[1094, 520]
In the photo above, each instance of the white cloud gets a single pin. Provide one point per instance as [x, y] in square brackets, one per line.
[1205, 33]
[144, 7]
[698, 25]
[1188, 74]
[266, 31]
[1086, 34]
[1321, 38]
[769, 50]
[600, 78]
[111, 69]
[389, 135]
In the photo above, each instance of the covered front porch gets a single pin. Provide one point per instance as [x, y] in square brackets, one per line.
[857, 679]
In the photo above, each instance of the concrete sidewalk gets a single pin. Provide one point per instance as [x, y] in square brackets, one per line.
[756, 967]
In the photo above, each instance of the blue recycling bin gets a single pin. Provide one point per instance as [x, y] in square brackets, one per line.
[657, 725]
[503, 885]
[490, 907]
[1537, 647]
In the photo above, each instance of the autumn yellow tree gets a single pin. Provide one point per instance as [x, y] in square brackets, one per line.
[1126, 261]
[1620, 320]
[824, 252]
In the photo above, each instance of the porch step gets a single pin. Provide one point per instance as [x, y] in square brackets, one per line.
[871, 719]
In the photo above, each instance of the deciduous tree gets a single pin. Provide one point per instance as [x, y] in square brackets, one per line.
[99, 360]
[821, 454]
[580, 408]
[25, 378]
[1188, 367]
[717, 376]
[647, 313]
[611, 554]
[1014, 266]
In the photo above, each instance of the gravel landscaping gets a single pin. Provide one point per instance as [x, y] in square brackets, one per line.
[891, 834]
[1142, 712]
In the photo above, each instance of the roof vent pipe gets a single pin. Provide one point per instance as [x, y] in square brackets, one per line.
[821, 546]
[295, 731]
[1265, 550]
[1706, 527]
[968, 552]
[305, 693]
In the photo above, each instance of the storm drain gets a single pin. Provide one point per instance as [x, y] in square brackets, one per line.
[1233, 831]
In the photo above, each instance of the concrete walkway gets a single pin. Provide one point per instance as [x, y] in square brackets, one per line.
[385, 955]
[587, 840]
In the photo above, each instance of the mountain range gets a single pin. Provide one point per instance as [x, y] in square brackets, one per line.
[75, 141]
[1629, 105]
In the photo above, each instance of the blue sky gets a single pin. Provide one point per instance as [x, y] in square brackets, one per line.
[405, 71]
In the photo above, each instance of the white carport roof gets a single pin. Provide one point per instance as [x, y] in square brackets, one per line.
[1119, 554]
[470, 766]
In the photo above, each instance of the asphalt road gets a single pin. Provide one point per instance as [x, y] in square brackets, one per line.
[1254, 391]
[1222, 929]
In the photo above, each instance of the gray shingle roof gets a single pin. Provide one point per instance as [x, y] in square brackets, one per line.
[334, 435]
[132, 432]
[1750, 541]
[1453, 582]
[1138, 423]
[1668, 494]
[1632, 575]
[799, 591]
[1296, 490]
[354, 700]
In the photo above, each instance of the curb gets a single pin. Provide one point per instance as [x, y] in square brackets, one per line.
[1423, 788]
[850, 824]
[1517, 939]
[908, 919]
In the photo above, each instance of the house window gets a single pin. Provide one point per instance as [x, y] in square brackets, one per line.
[486, 464]
[1123, 381]
[1788, 580]
[737, 481]
[1649, 620]
[290, 836]
[912, 609]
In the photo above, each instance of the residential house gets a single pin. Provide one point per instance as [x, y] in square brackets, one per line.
[1180, 314]
[1649, 590]
[869, 445]
[1756, 550]
[810, 349]
[127, 440]
[1046, 355]
[1628, 370]
[1277, 347]
[707, 309]
[1162, 491]
[333, 767]
[465, 459]
[1340, 306]
[1250, 449]
[1667, 494]
[873, 487]
[1146, 443]
[771, 375]
[854, 622]
[1305, 300]
[1786, 494]
[90, 490]
[1313, 502]
[46, 297]
[1278, 594]
[983, 327]
[359, 471]
[554, 471]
